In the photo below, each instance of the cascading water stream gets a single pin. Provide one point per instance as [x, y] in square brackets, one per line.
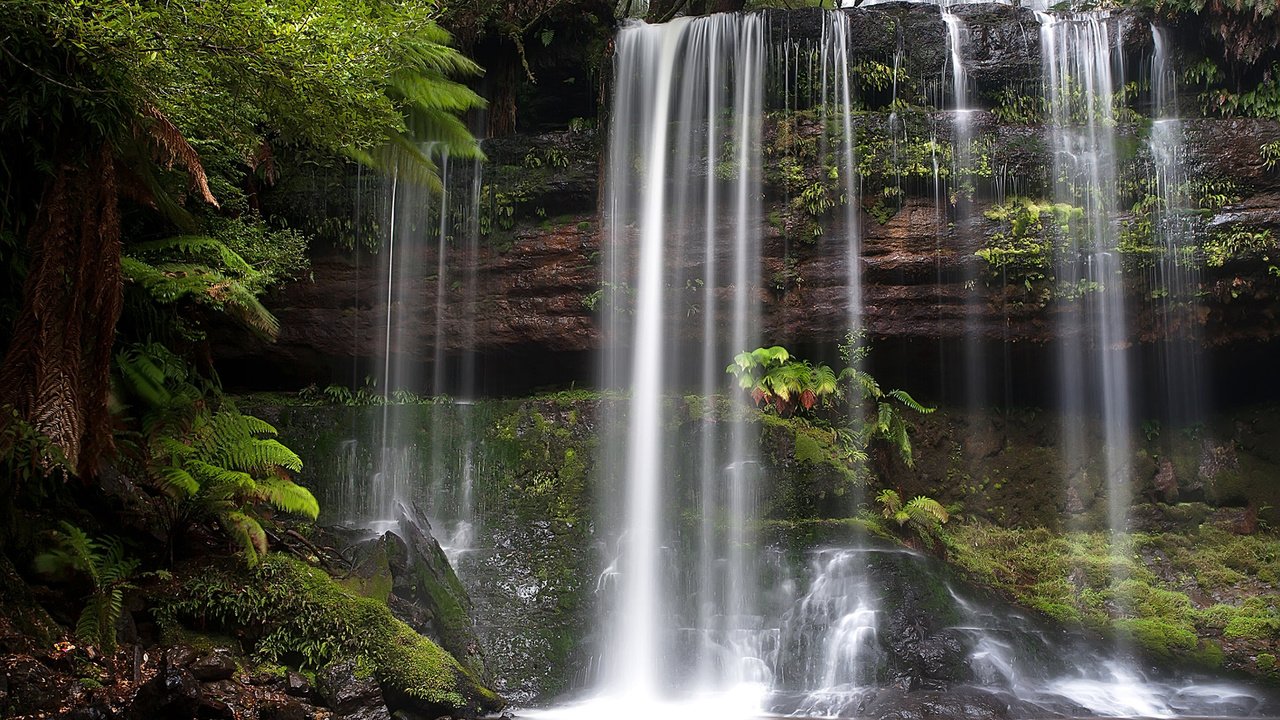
[431, 239]
[1175, 277]
[685, 109]
[974, 360]
[1079, 71]
[700, 619]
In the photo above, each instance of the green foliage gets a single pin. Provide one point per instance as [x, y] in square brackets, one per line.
[208, 459]
[290, 610]
[1015, 108]
[204, 271]
[26, 454]
[1022, 250]
[923, 515]
[885, 407]
[786, 386]
[1236, 243]
[776, 380]
[349, 77]
[1270, 153]
[1260, 101]
[110, 573]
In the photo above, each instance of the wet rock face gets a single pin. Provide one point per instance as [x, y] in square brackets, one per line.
[350, 696]
[924, 653]
[173, 692]
[962, 703]
[539, 269]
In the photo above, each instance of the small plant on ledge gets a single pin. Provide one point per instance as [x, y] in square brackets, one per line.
[814, 396]
[921, 517]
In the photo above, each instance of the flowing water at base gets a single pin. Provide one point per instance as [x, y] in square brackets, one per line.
[837, 655]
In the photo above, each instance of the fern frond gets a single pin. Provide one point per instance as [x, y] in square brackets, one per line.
[287, 496]
[198, 246]
[890, 501]
[884, 419]
[903, 397]
[431, 92]
[144, 376]
[170, 447]
[75, 552]
[212, 476]
[257, 456]
[825, 381]
[927, 510]
[89, 624]
[429, 51]
[172, 282]
[246, 532]
[870, 388]
[258, 426]
[176, 482]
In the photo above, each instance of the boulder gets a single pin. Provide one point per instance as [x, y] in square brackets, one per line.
[350, 695]
[216, 664]
[964, 703]
[29, 686]
[424, 577]
[174, 692]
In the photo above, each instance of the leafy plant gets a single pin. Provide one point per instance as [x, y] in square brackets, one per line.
[885, 407]
[109, 571]
[782, 384]
[922, 515]
[204, 271]
[1270, 153]
[208, 459]
[775, 380]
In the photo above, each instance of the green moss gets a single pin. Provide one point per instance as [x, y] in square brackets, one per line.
[1216, 617]
[808, 449]
[1071, 578]
[289, 610]
[377, 584]
[1159, 637]
[1253, 627]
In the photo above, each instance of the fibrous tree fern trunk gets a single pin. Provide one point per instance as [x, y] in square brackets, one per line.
[502, 101]
[57, 368]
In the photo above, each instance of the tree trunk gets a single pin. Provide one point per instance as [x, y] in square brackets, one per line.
[57, 370]
[719, 6]
[502, 102]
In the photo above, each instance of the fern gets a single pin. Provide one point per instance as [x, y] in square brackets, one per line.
[213, 462]
[902, 397]
[202, 270]
[891, 503]
[110, 572]
[926, 511]
[923, 515]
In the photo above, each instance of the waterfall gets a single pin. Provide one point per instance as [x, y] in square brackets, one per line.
[1079, 72]
[963, 191]
[683, 266]
[701, 617]
[429, 250]
[1175, 278]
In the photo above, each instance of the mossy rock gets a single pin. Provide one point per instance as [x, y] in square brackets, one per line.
[288, 611]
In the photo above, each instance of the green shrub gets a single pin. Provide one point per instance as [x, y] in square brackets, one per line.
[292, 610]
